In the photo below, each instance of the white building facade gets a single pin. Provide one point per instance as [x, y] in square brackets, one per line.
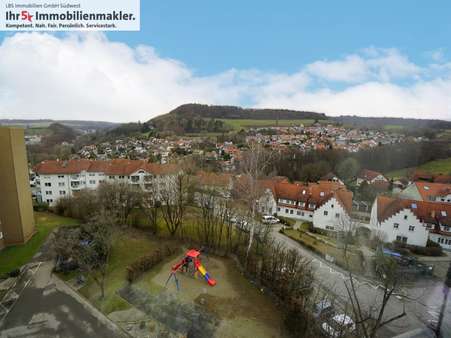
[64, 178]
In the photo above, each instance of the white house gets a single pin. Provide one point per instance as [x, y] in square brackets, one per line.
[370, 177]
[427, 191]
[64, 178]
[412, 222]
[326, 204]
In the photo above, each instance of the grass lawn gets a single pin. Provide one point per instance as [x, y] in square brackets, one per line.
[325, 249]
[128, 247]
[433, 167]
[15, 256]
[238, 124]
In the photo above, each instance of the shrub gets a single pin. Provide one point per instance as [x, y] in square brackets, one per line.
[287, 221]
[426, 251]
[147, 262]
[40, 206]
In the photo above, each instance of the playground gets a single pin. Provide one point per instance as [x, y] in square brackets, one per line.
[228, 306]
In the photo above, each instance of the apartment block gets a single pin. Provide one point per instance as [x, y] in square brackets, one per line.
[16, 209]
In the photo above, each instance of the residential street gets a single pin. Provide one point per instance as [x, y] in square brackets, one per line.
[47, 307]
[426, 294]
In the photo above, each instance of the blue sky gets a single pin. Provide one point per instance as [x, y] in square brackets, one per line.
[213, 36]
[378, 58]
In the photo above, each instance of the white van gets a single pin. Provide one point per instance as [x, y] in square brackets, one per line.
[267, 219]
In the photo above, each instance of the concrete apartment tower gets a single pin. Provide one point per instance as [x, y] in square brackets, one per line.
[16, 209]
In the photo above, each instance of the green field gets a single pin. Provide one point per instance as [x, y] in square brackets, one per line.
[15, 256]
[433, 167]
[238, 124]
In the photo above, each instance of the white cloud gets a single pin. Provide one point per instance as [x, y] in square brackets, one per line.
[90, 77]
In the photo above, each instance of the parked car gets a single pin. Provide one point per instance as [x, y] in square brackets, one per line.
[338, 326]
[267, 219]
[322, 309]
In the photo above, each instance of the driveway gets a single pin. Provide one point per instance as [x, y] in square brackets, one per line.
[44, 306]
[422, 305]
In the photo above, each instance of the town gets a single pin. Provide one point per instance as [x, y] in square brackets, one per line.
[339, 217]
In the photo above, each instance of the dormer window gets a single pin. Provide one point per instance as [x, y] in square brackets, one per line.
[321, 193]
[443, 213]
[414, 205]
[426, 187]
[303, 192]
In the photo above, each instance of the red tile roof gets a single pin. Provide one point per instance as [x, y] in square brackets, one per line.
[316, 193]
[428, 190]
[368, 175]
[113, 167]
[429, 212]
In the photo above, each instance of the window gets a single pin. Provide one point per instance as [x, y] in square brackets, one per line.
[395, 225]
[101, 181]
[405, 216]
[414, 205]
[444, 213]
[60, 176]
[332, 206]
[286, 211]
[302, 213]
[92, 181]
[402, 239]
[298, 212]
[291, 212]
[310, 215]
[48, 184]
[92, 174]
[411, 228]
[329, 227]
[62, 192]
[49, 201]
[48, 192]
[111, 177]
[321, 193]
[278, 209]
[61, 184]
[121, 177]
[337, 215]
[326, 212]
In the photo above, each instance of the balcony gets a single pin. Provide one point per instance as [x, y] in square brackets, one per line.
[75, 177]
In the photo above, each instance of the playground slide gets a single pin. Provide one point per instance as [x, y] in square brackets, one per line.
[210, 281]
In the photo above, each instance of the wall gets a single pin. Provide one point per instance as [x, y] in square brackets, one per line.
[16, 209]
[335, 219]
[419, 236]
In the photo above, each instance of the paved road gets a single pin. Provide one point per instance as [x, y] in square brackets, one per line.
[47, 307]
[427, 294]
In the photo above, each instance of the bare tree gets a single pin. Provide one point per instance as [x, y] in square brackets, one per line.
[94, 250]
[150, 204]
[174, 194]
[119, 199]
[255, 161]
[215, 217]
[369, 318]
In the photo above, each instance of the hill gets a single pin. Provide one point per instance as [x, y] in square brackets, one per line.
[33, 126]
[194, 118]
[392, 122]
[436, 167]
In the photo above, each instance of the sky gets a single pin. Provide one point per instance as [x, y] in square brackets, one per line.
[380, 58]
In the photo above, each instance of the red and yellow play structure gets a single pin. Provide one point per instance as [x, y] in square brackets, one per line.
[191, 262]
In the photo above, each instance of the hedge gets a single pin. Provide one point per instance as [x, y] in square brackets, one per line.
[147, 262]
